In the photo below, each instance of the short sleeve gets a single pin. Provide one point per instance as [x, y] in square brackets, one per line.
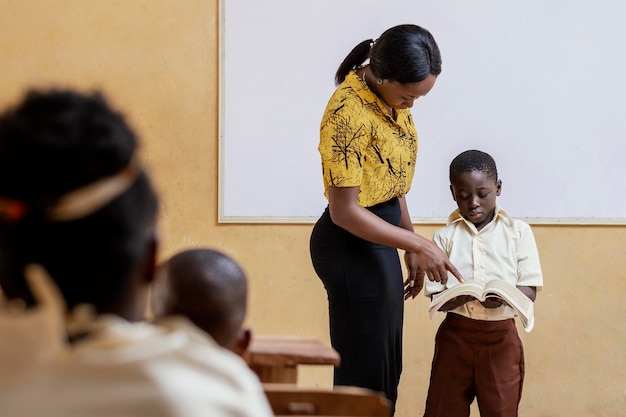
[528, 266]
[343, 142]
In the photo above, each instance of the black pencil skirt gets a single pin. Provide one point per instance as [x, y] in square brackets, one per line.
[365, 302]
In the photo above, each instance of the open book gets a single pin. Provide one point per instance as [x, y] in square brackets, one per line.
[522, 305]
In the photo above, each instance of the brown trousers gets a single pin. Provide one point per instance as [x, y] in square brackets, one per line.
[476, 358]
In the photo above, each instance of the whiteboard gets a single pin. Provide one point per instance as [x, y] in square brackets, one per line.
[540, 85]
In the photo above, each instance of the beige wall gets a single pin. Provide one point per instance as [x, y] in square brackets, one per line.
[158, 60]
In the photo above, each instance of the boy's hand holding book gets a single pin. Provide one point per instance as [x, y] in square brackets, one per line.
[493, 301]
[491, 294]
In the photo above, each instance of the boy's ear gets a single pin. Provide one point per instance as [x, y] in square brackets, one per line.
[498, 187]
[150, 260]
[243, 342]
[452, 191]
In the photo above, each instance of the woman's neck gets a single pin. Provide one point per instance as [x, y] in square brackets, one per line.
[366, 74]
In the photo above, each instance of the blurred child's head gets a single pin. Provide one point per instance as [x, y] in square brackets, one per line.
[74, 200]
[475, 185]
[210, 289]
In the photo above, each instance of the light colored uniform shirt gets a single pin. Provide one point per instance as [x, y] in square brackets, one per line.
[120, 369]
[504, 249]
[362, 145]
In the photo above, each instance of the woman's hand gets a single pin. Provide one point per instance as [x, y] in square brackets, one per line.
[415, 279]
[435, 263]
[346, 213]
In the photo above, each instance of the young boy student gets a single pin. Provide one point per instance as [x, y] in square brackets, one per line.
[210, 289]
[478, 352]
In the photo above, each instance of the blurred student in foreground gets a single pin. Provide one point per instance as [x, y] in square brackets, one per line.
[77, 256]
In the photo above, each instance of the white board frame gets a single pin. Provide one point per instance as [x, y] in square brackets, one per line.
[599, 18]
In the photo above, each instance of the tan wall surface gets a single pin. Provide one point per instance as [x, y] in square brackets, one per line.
[158, 61]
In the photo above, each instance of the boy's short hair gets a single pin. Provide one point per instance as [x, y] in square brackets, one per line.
[206, 286]
[52, 144]
[473, 160]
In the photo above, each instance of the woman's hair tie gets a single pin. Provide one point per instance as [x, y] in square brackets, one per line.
[76, 204]
[11, 210]
[90, 198]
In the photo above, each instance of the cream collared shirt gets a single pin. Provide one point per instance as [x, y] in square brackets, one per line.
[503, 249]
[119, 368]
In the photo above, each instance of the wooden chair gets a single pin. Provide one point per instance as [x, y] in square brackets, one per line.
[291, 400]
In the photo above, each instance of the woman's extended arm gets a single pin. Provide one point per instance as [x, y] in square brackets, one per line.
[346, 213]
[415, 274]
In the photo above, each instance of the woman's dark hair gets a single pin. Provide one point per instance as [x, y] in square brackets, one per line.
[52, 143]
[473, 160]
[404, 53]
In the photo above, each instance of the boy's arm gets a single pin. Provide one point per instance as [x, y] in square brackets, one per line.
[530, 292]
[495, 301]
[529, 275]
[456, 302]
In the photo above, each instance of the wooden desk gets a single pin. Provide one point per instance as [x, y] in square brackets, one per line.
[276, 358]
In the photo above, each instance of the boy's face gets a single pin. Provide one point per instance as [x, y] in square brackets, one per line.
[475, 194]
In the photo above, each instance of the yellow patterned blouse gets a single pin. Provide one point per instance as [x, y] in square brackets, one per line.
[361, 145]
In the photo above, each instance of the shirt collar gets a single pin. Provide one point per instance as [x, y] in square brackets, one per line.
[456, 217]
[361, 88]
